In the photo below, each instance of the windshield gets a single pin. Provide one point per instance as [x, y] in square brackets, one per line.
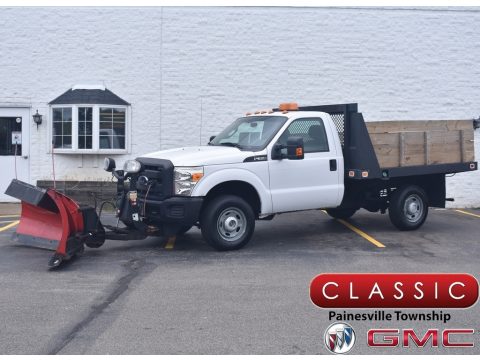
[250, 133]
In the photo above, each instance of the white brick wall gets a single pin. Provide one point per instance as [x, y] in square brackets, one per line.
[180, 65]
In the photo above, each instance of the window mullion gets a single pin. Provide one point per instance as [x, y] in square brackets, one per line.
[75, 127]
[95, 128]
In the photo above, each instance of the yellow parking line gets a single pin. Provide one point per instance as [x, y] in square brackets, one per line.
[360, 232]
[12, 224]
[467, 213]
[7, 216]
[170, 243]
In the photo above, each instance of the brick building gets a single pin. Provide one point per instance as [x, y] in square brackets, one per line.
[167, 77]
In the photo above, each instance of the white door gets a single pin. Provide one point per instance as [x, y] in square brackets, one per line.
[14, 139]
[312, 182]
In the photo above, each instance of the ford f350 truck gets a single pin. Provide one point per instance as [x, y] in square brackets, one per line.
[267, 163]
[283, 160]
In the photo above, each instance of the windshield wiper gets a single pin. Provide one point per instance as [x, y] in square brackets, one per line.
[231, 145]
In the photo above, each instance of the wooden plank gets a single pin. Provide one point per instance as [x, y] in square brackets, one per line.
[445, 136]
[426, 136]
[445, 147]
[445, 153]
[417, 125]
[461, 134]
[386, 148]
[402, 149]
[469, 146]
[469, 156]
[384, 138]
[414, 148]
[388, 161]
[410, 143]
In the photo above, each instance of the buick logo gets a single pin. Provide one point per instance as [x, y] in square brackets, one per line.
[339, 338]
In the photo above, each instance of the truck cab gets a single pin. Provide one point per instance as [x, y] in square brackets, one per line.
[260, 157]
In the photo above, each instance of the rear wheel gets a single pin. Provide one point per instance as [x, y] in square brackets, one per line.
[408, 208]
[227, 223]
[341, 213]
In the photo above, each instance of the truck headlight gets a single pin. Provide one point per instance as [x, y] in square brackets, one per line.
[185, 179]
[132, 166]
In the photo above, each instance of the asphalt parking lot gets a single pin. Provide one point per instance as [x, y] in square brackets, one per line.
[181, 297]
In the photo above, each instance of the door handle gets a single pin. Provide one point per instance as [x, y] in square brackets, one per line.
[333, 165]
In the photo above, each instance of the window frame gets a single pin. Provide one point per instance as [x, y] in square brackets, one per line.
[306, 119]
[95, 129]
[62, 135]
[78, 125]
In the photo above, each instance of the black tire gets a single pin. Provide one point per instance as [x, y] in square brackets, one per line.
[237, 227]
[183, 230]
[97, 239]
[341, 213]
[408, 208]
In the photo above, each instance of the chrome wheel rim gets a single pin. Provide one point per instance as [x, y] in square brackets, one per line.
[413, 208]
[231, 224]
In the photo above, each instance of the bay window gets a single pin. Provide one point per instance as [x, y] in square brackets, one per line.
[89, 128]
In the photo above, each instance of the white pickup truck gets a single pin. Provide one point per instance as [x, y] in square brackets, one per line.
[272, 162]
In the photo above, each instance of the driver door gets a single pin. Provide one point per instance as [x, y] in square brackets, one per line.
[312, 182]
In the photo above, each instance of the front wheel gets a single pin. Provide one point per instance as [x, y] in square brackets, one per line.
[227, 223]
[408, 208]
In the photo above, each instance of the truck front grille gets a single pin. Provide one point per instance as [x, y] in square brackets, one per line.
[159, 173]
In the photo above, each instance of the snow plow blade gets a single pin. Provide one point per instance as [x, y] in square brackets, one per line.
[51, 220]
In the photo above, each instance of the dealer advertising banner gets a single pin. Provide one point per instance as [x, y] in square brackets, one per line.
[398, 307]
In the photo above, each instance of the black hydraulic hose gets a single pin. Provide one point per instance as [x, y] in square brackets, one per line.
[145, 201]
[101, 209]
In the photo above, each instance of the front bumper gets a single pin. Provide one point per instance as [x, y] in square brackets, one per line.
[182, 211]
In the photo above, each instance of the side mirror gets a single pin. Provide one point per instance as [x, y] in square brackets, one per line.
[295, 148]
[277, 151]
[211, 138]
[109, 164]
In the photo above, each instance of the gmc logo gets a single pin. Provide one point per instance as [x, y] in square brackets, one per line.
[393, 337]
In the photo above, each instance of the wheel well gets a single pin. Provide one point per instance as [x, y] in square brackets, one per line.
[433, 185]
[239, 188]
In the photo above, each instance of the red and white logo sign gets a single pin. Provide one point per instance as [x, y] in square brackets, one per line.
[394, 290]
[339, 338]
[448, 338]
